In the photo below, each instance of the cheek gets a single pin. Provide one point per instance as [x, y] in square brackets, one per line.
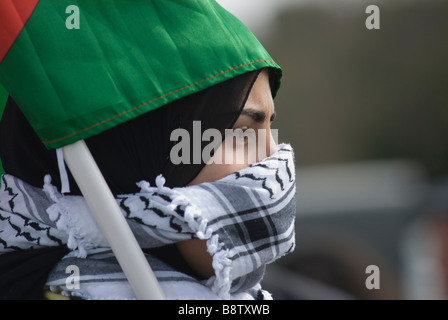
[220, 166]
[272, 148]
[266, 145]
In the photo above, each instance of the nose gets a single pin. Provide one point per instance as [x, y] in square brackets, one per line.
[272, 145]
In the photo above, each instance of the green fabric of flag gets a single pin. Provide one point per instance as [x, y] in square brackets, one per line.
[80, 67]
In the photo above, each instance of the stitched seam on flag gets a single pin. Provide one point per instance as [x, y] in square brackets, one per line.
[154, 100]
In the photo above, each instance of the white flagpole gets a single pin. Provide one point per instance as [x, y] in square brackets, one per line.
[112, 222]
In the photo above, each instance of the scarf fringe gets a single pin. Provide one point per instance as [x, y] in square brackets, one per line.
[220, 283]
[59, 212]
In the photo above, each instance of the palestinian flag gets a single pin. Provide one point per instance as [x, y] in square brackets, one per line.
[79, 67]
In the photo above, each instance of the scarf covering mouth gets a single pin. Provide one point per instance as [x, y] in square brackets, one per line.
[247, 219]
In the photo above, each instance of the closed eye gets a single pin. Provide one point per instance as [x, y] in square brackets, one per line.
[257, 115]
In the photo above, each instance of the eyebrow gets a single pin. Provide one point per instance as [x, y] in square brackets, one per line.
[257, 115]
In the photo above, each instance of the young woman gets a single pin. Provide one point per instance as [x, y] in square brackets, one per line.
[208, 228]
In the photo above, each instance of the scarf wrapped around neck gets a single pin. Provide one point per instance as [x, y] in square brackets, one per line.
[247, 219]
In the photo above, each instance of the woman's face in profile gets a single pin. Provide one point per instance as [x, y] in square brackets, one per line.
[256, 117]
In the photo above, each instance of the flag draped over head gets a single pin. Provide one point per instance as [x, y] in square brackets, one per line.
[79, 67]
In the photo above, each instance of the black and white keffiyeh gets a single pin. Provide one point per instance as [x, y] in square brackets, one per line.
[247, 219]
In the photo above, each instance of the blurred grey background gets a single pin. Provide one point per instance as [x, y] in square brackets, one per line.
[367, 114]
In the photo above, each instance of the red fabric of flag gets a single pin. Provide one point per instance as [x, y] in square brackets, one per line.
[13, 16]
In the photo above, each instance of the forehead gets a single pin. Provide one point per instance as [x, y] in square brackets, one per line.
[260, 97]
